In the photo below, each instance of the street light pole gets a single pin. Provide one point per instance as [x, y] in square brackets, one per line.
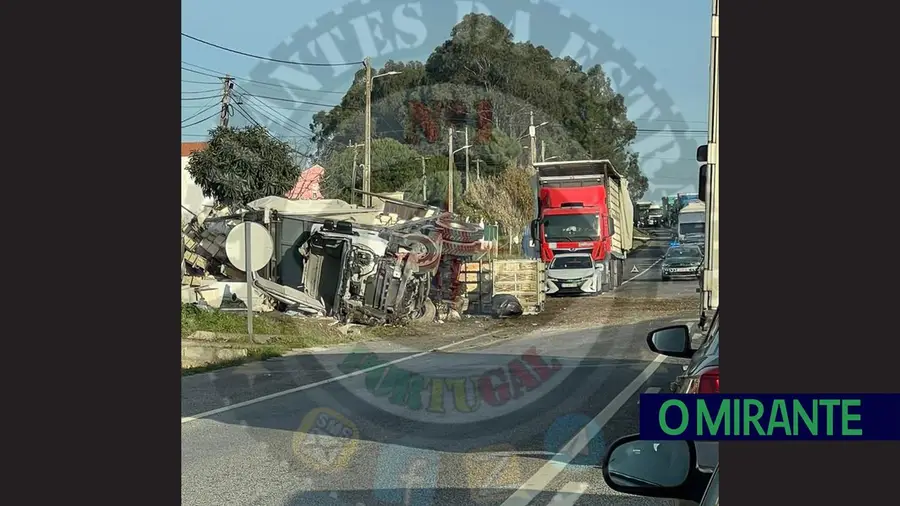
[367, 171]
[450, 173]
[531, 133]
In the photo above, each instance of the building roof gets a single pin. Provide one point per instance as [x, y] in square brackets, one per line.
[190, 147]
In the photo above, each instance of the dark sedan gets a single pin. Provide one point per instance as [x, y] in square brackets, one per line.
[682, 261]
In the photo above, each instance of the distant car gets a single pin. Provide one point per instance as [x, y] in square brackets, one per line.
[682, 261]
[573, 273]
[695, 239]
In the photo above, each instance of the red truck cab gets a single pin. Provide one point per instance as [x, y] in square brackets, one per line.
[573, 211]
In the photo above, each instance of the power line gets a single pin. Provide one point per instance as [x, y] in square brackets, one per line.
[198, 72]
[198, 113]
[289, 120]
[263, 83]
[294, 101]
[250, 55]
[199, 98]
[197, 82]
[201, 91]
[211, 116]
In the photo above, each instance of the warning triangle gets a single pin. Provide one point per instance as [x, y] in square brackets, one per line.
[634, 269]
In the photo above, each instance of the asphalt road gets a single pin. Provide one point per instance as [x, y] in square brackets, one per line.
[469, 424]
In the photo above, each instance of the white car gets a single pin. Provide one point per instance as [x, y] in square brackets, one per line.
[573, 273]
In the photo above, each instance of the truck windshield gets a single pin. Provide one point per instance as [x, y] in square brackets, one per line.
[572, 227]
[691, 228]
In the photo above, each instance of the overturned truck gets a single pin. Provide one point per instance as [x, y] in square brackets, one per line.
[362, 276]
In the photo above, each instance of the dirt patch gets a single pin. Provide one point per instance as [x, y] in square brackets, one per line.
[559, 313]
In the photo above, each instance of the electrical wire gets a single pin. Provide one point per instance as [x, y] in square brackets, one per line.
[198, 113]
[211, 116]
[197, 82]
[293, 101]
[198, 72]
[220, 75]
[199, 98]
[289, 120]
[250, 55]
[201, 91]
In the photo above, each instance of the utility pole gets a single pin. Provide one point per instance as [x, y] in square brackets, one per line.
[226, 99]
[424, 182]
[478, 169]
[450, 173]
[531, 133]
[543, 159]
[367, 171]
[467, 158]
[353, 171]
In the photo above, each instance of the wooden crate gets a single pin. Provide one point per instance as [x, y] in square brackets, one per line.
[523, 279]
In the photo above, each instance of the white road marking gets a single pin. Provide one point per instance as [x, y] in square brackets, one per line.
[650, 390]
[537, 483]
[642, 272]
[206, 414]
[569, 494]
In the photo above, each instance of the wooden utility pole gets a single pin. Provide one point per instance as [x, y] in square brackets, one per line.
[450, 173]
[424, 182]
[367, 171]
[226, 99]
[467, 158]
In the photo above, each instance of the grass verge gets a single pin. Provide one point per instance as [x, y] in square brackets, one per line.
[253, 355]
[282, 332]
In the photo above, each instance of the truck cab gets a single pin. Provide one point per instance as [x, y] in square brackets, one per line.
[583, 206]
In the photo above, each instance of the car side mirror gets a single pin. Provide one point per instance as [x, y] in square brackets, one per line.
[653, 468]
[535, 236]
[673, 341]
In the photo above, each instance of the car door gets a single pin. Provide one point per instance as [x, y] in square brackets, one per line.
[708, 349]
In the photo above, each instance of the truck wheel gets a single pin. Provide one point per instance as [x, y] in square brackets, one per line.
[426, 313]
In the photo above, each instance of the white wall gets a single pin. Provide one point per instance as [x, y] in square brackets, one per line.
[191, 195]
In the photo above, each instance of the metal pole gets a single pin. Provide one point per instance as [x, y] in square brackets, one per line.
[532, 147]
[249, 271]
[353, 176]
[367, 172]
[450, 173]
[424, 182]
[467, 158]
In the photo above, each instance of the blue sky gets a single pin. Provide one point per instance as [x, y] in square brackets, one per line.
[670, 39]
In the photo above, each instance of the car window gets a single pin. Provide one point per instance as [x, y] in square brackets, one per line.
[683, 252]
[711, 497]
[572, 263]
